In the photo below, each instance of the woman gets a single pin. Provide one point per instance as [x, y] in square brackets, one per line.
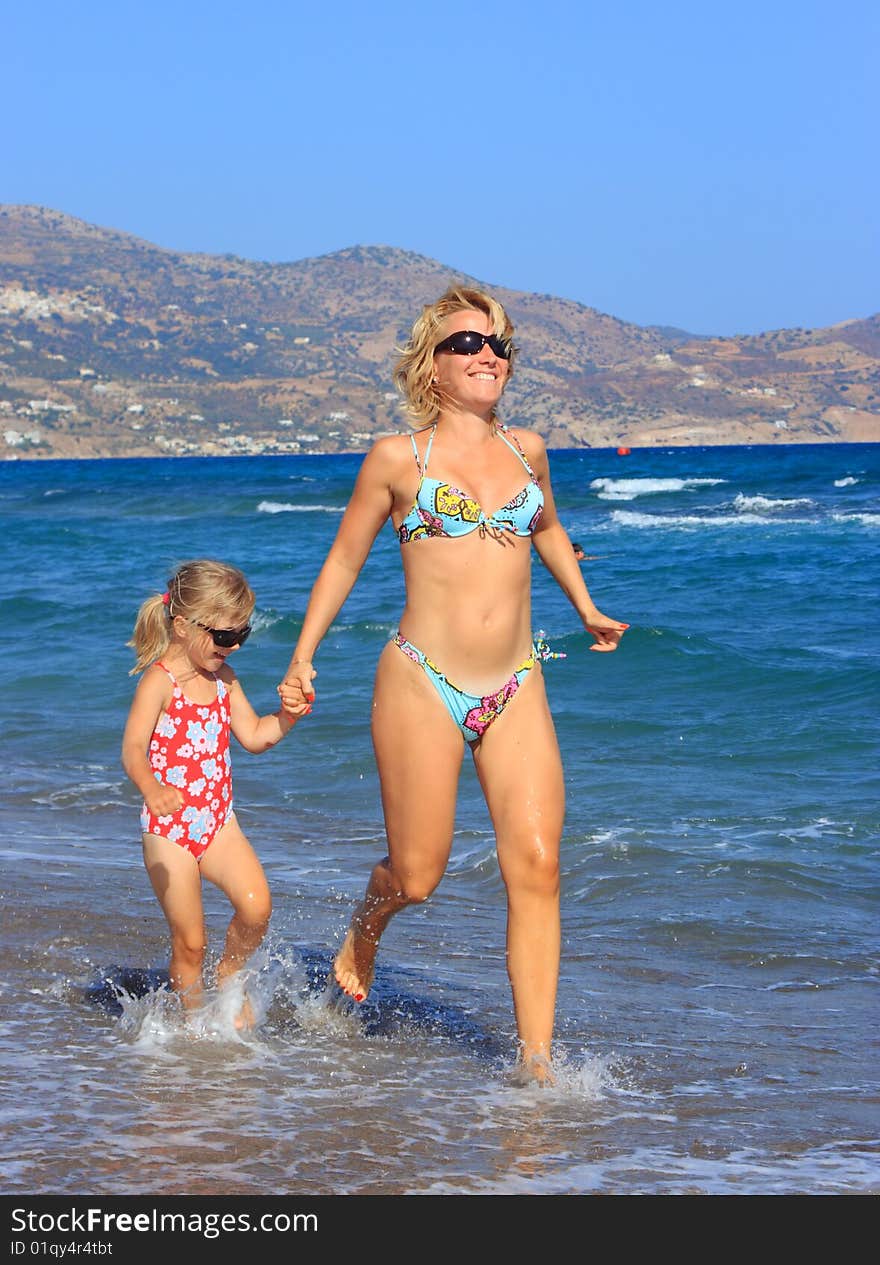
[463, 668]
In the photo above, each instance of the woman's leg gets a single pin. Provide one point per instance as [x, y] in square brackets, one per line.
[233, 866]
[520, 770]
[419, 751]
[174, 873]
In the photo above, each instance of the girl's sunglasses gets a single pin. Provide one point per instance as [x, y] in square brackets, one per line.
[226, 638]
[467, 342]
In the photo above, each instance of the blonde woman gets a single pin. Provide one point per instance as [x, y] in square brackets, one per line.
[468, 497]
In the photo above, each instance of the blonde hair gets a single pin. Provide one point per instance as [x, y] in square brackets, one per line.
[414, 371]
[202, 590]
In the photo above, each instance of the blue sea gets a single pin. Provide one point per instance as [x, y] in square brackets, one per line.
[718, 1000]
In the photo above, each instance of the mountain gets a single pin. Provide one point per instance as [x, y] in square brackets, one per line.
[112, 347]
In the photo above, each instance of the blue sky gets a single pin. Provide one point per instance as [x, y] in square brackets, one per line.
[705, 166]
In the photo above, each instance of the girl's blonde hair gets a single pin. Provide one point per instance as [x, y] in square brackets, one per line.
[202, 590]
[414, 371]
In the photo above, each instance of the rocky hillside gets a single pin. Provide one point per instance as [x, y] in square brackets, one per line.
[110, 346]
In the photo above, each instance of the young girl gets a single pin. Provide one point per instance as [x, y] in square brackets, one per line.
[176, 751]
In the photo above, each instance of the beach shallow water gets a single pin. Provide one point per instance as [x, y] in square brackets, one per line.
[718, 1000]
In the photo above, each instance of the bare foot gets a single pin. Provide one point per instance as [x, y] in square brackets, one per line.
[353, 964]
[535, 1069]
[245, 1020]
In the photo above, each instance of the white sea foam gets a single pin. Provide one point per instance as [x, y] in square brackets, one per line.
[328, 1014]
[769, 504]
[589, 1077]
[285, 507]
[845, 483]
[261, 620]
[869, 520]
[157, 1018]
[845, 1167]
[629, 489]
[631, 518]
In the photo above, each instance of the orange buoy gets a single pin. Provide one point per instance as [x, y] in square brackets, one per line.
[623, 452]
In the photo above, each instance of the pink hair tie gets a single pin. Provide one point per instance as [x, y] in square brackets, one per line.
[166, 598]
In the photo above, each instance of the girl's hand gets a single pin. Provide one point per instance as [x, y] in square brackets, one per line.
[607, 632]
[164, 800]
[296, 691]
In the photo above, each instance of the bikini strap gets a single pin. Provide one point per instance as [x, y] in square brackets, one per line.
[422, 466]
[428, 450]
[167, 671]
[503, 432]
[412, 440]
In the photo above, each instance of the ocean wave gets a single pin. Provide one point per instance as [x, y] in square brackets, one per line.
[845, 483]
[261, 620]
[629, 489]
[869, 520]
[285, 507]
[769, 504]
[632, 518]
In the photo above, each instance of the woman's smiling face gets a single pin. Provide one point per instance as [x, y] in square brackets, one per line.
[474, 383]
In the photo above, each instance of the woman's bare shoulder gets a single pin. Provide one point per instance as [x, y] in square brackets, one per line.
[389, 456]
[531, 442]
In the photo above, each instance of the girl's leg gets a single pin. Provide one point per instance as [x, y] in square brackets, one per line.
[232, 865]
[419, 751]
[176, 880]
[520, 770]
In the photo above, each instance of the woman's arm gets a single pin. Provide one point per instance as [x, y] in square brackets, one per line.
[255, 733]
[553, 545]
[365, 514]
[150, 699]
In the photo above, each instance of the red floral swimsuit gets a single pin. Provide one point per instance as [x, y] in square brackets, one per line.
[189, 749]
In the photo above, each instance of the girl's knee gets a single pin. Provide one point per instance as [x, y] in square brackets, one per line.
[256, 908]
[189, 946]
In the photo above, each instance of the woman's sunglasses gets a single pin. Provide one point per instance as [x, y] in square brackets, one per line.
[226, 638]
[467, 342]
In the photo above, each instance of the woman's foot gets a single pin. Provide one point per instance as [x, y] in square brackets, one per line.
[353, 964]
[535, 1069]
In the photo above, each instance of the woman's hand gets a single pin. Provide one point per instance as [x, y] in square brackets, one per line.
[296, 691]
[607, 632]
[164, 800]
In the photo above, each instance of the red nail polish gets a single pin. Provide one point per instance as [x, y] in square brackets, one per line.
[359, 997]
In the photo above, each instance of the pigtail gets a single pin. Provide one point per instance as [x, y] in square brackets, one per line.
[152, 632]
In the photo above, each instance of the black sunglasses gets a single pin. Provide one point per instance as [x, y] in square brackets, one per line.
[226, 638]
[467, 342]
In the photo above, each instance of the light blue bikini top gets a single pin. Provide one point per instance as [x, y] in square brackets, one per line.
[443, 510]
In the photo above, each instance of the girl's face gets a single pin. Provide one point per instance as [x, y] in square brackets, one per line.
[475, 382]
[201, 638]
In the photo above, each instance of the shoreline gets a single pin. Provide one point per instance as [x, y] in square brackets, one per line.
[633, 449]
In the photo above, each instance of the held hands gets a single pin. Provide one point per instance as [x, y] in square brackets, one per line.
[164, 800]
[607, 632]
[296, 691]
